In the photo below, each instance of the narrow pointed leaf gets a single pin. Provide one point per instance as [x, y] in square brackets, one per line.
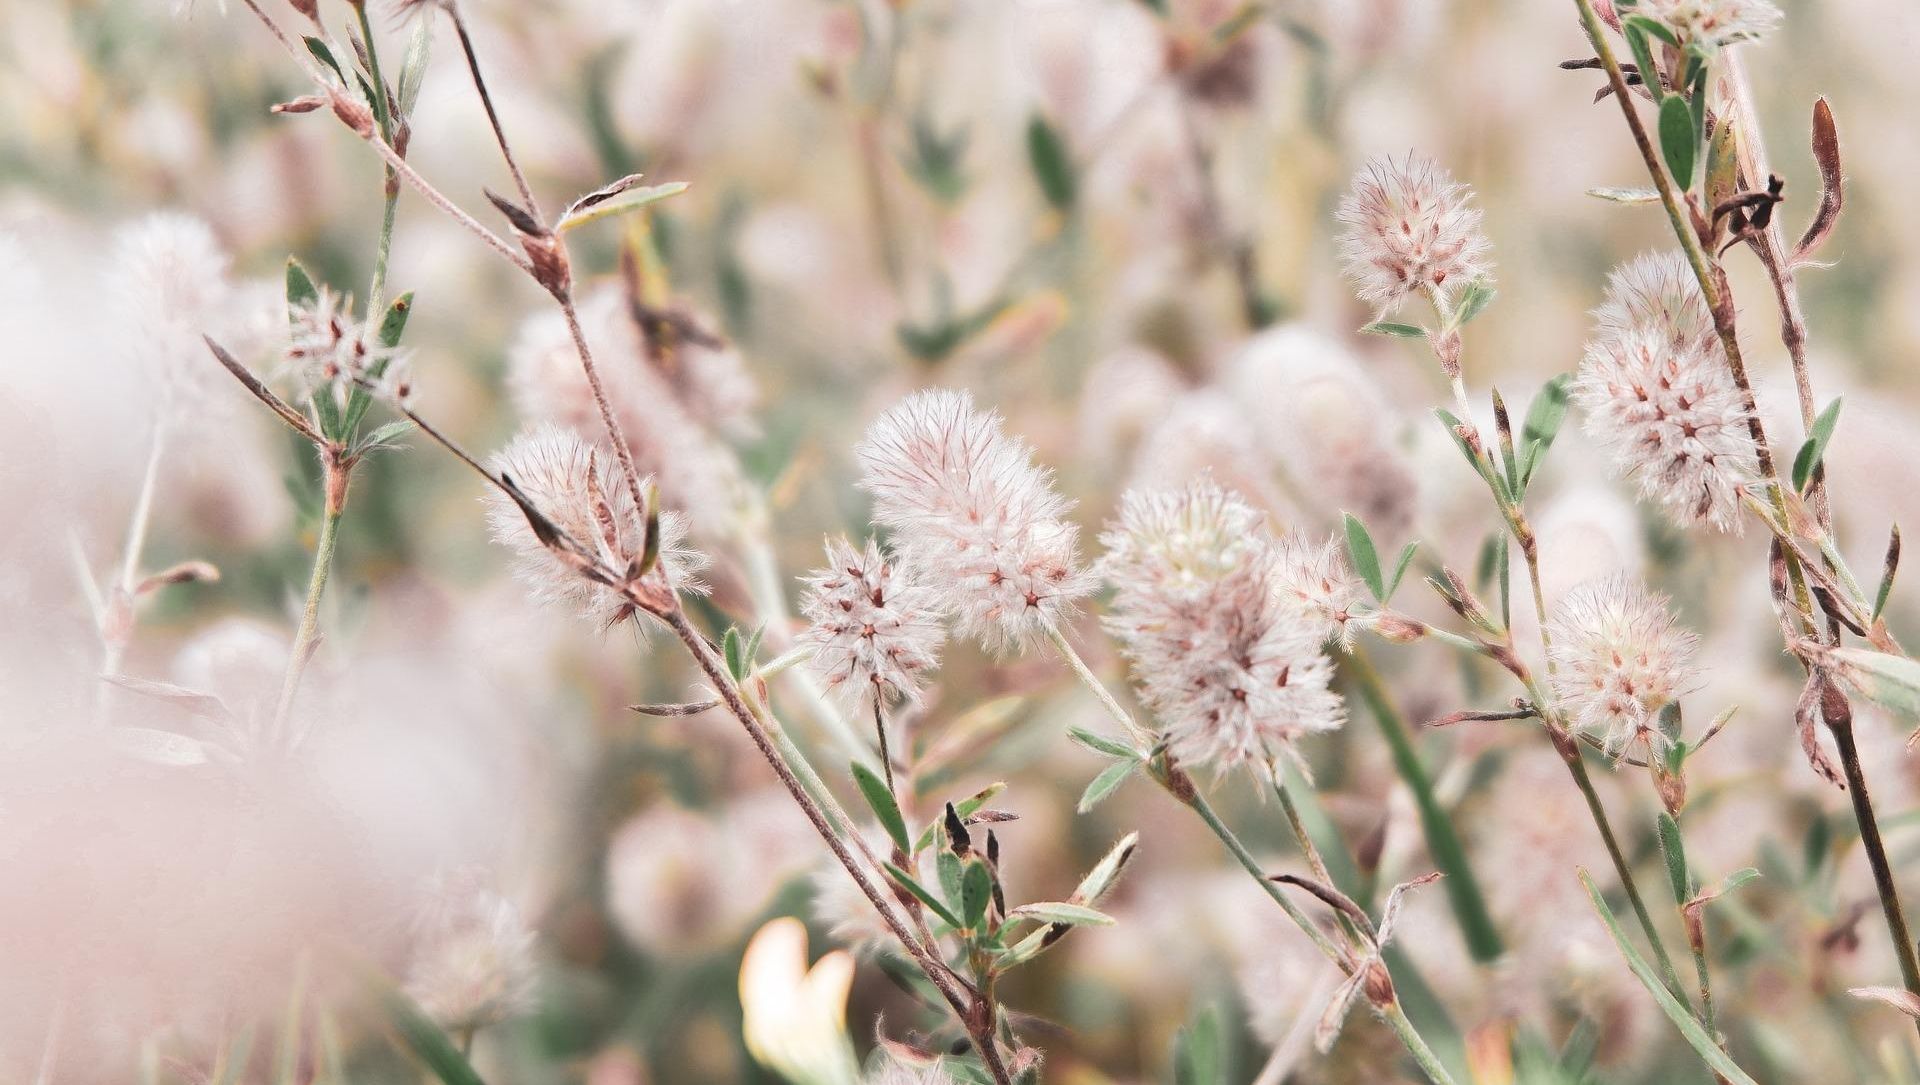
[1366, 560]
[1073, 915]
[1677, 145]
[874, 789]
[1105, 784]
[921, 893]
[1388, 327]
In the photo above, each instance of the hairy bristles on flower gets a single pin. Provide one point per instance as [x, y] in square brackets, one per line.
[1314, 576]
[975, 514]
[1619, 659]
[170, 278]
[896, 1073]
[1409, 229]
[473, 963]
[874, 626]
[1713, 23]
[329, 352]
[1657, 393]
[1229, 663]
[581, 489]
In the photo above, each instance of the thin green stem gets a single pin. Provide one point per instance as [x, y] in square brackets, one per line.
[323, 553]
[1443, 844]
[1416, 1044]
[1140, 735]
[1241, 855]
[1576, 766]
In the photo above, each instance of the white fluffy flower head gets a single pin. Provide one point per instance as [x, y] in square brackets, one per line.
[1658, 396]
[474, 962]
[1229, 663]
[975, 514]
[329, 352]
[1410, 228]
[1619, 659]
[582, 489]
[1314, 576]
[898, 1073]
[875, 627]
[1713, 23]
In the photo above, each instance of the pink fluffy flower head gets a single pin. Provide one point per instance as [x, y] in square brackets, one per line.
[1658, 396]
[875, 628]
[974, 513]
[582, 489]
[329, 352]
[1410, 228]
[1713, 23]
[1228, 661]
[1619, 659]
[1313, 575]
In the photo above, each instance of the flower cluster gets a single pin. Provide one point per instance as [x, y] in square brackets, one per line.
[1658, 396]
[1314, 574]
[975, 514]
[1619, 659]
[582, 489]
[1410, 228]
[329, 352]
[1224, 654]
[874, 627]
[1713, 23]
[474, 962]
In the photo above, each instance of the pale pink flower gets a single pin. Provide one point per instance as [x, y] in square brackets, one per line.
[1658, 396]
[1230, 665]
[170, 279]
[1410, 228]
[581, 488]
[473, 963]
[971, 509]
[875, 627]
[329, 352]
[1313, 574]
[1713, 23]
[1619, 659]
[898, 1073]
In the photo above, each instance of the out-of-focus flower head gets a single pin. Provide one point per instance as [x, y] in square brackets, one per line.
[849, 916]
[795, 1017]
[1713, 23]
[975, 514]
[1410, 228]
[582, 489]
[170, 277]
[679, 882]
[473, 963]
[329, 352]
[1658, 396]
[899, 1073]
[1619, 659]
[875, 627]
[1230, 664]
[1314, 574]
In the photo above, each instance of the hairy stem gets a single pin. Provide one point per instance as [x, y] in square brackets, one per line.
[486, 102]
[336, 476]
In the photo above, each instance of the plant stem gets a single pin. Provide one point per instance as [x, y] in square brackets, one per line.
[1443, 844]
[486, 101]
[1416, 1044]
[1876, 849]
[1569, 751]
[1140, 735]
[936, 971]
[335, 480]
[116, 617]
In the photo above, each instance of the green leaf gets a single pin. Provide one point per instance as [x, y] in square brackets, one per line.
[1681, 1017]
[1675, 852]
[1476, 298]
[1100, 879]
[1544, 417]
[1199, 1052]
[976, 892]
[874, 789]
[426, 1040]
[1643, 59]
[1102, 744]
[1653, 27]
[413, 68]
[752, 651]
[730, 647]
[602, 203]
[1678, 142]
[1388, 327]
[1105, 784]
[1625, 195]
[325, 56]
[1073, 915]
[1052, 167]
[1889, 680]
[920, 893]
[1815, 447]
[394, 324]
[300, 289]
[1366, 561]
[1400, 567]
[383, 436]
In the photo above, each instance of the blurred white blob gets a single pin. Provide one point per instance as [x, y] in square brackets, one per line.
[795, 1017]
[680, 882]
[473, 960]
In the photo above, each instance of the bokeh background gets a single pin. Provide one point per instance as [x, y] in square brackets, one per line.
[863, 220]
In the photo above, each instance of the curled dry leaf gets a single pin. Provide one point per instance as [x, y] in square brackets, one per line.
[1806, 713]
[1900, 999]
[1826, 152]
